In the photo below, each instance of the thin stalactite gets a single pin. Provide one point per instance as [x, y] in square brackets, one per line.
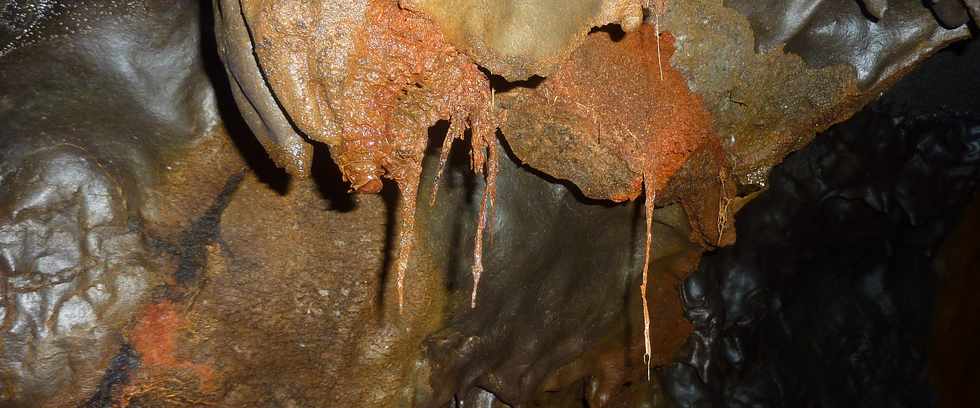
[489, 195]
[408, 185]
[455, 132]
[649, 198]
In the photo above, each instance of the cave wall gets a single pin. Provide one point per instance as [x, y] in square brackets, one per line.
[177, 230]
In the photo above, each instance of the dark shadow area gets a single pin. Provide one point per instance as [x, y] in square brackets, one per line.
[827, 298]
[389, 193]
[947, 82]
[329, 181]
[500, 84]
[615, 31]
[552, 284]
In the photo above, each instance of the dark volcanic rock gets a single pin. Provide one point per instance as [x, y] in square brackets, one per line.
[826, 298]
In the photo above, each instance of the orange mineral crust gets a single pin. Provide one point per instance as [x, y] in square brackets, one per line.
[607, 116]
[402, 78]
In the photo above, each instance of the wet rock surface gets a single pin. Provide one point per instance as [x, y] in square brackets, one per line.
[824, 33]
[73, 273]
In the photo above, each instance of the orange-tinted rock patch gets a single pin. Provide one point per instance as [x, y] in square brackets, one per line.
[155, 339]
[155, 336]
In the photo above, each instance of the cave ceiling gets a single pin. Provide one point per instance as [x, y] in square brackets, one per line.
[431, 202]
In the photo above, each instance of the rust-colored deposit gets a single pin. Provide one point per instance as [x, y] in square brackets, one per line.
[369, 91]
[155, 338]
[607, 115]
[402, 78]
